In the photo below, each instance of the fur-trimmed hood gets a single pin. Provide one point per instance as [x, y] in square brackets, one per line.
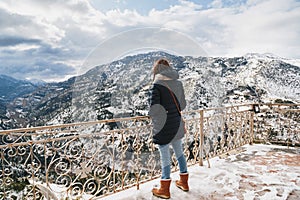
[169, 74]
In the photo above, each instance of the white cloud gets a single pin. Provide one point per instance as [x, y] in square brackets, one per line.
[66, 31]
[217, 4]
[126, 18]
[61, 30]
[258, 26]
[51, 20]
[269, 26]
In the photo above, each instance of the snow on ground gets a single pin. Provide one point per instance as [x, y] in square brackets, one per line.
[252, 172]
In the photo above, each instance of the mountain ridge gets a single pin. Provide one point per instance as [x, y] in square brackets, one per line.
[121, 88]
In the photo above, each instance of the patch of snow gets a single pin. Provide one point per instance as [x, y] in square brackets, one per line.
[238, 176]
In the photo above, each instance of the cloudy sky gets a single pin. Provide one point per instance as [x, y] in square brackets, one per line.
[53, 39]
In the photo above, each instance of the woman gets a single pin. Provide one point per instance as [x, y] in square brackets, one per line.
[167, 101]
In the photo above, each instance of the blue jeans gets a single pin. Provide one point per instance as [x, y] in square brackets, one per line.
[165, 158]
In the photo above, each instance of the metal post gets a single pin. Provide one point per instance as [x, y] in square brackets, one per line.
[201, 139]
[252, 128]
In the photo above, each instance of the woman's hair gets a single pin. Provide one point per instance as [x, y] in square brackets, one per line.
[159, 66]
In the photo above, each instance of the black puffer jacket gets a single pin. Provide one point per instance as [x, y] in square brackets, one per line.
[167, 121]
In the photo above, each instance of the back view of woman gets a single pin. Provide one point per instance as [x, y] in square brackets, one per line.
[166, 102]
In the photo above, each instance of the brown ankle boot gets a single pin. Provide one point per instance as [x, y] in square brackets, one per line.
[183, 182]
[164, 190]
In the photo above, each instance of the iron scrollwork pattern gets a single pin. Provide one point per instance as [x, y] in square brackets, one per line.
[93, 159]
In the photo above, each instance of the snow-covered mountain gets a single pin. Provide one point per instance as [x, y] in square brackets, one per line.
[121, 88]
[11, 88]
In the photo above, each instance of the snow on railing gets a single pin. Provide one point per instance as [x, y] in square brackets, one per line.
[93, 159]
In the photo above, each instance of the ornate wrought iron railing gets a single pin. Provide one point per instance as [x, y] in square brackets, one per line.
[93, 159]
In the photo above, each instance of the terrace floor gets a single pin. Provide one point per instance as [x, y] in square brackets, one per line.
[257, 171]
